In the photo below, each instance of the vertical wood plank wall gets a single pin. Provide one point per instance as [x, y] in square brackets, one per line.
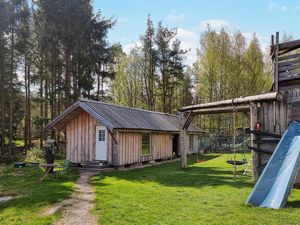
[81, 137]
[81, 141]
[284, 112]
[161, 146]
[130, 145]
[274, 119]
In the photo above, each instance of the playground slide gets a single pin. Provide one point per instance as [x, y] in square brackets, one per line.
[276, 181]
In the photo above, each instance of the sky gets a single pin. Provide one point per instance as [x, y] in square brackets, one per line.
[190, 17]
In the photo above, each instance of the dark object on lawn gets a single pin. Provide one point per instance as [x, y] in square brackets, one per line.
[19, 164]
[32, 163]
[237, 162]
[49, 151]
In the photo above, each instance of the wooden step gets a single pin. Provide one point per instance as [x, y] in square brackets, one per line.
[266, 141]
[260, 150]
[264, 133]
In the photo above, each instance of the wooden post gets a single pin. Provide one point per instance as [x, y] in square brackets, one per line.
[276, 62]
[183, 139]
[255, 156]
[115, 155]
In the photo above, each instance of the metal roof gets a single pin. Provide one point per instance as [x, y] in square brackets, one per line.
[122, 117]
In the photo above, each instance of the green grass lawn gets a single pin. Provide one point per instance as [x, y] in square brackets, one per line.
[202, 194]
[33, 197]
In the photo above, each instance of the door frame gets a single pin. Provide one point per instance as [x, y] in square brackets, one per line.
[105, 158]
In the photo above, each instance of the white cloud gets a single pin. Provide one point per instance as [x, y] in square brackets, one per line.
[127, 48]
[189, 42]
[263, 40]
[176, 17]
[273, 6]
[215, 24]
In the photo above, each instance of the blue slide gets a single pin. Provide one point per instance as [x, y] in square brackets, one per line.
[276, 181]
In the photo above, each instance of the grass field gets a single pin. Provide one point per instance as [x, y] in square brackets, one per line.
[202, 194]
[32, 197]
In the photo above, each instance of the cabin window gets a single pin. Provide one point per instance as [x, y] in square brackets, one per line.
[101, 135]
[145, 144]
[191, 143]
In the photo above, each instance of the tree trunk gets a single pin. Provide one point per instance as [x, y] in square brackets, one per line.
[26, 125]
[41, 106]
[2, 74]
[67, 80]
[10, 137]
[29, 106]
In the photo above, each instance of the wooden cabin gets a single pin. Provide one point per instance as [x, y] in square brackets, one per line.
[118, 135]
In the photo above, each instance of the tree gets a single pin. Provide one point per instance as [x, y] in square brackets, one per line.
[225, 68]
[256, 80]
[148, 64]
[71, 52]
[126, 86]
[169, 65]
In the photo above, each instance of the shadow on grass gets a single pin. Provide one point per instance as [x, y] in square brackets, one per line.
[293, 204]
[196, 175]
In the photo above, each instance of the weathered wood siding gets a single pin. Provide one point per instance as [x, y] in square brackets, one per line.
[275, 118]
[81, 132]
[81, 137]
[161, 145]
[130, 147]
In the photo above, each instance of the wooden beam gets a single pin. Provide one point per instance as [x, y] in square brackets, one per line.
[272, 96]
[287, 57]
[276, 62]
[286, 45]
[255, 155]
[188, 120]
[183, 141]
[115, 152]
[229, 109]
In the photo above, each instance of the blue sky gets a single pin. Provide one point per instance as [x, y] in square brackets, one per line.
[190, 17]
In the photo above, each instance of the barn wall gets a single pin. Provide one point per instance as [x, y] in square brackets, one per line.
[130, 145]
[80, 140]
[275, 118]
[161, 145]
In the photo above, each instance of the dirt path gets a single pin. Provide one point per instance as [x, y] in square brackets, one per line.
[76, 210]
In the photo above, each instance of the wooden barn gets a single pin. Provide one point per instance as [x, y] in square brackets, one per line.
[118, 135]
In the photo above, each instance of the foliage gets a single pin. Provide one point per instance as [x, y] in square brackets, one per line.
[227, 68]
[204, 193]
[35, 154]
[152, 75]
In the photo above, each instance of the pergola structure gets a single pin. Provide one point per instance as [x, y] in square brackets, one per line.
[247, 104]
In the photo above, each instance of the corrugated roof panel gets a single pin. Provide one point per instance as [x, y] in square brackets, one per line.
[121, 117]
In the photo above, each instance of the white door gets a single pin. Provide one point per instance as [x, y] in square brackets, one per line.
[101, 143]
